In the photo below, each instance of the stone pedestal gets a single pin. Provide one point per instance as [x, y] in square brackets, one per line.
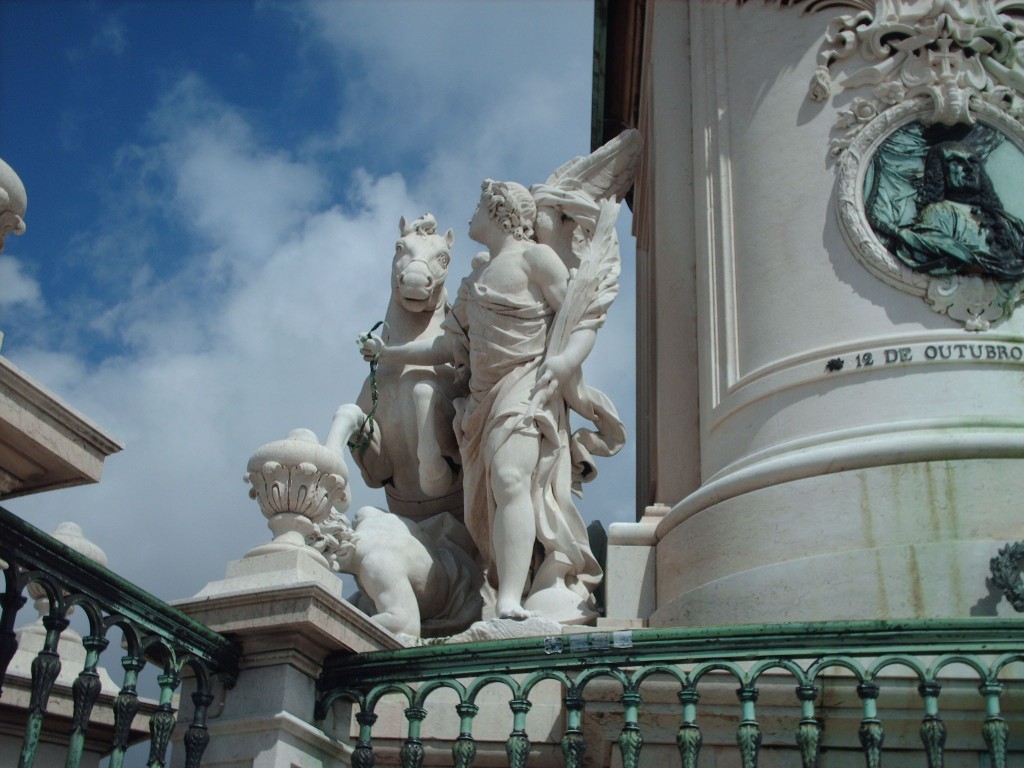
[900, 541]
[287, 612]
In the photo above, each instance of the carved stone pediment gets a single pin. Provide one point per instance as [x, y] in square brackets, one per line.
[936, 92]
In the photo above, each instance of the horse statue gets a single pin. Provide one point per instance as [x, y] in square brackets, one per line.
[408, 446]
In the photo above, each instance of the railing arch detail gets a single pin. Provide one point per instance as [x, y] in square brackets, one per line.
[870, 658]
[151, 631]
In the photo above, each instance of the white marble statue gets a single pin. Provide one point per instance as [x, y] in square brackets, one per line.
[13, 202]
[418, 576]
[518, 334]
[410, 449]
[567, 203]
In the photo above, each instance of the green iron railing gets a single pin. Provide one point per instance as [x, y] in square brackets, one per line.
[867, 656]
[151, 631]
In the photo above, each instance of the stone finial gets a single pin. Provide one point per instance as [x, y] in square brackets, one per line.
[70, 534]
[13, 203]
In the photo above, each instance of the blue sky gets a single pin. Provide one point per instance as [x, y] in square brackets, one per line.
[214, 192]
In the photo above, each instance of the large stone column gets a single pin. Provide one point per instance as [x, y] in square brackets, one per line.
[861, 422]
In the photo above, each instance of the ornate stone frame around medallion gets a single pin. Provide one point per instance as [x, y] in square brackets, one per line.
[975, 301]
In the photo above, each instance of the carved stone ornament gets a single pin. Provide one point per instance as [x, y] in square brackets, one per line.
[13, 202]
[1006, 573]
[297, 482]
[928, 193]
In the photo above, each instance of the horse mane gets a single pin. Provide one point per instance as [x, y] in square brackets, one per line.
[424, 225]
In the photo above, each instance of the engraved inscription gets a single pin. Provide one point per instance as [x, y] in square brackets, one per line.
[1004, 353]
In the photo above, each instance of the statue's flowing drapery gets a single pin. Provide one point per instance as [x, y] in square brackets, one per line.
[503, 343]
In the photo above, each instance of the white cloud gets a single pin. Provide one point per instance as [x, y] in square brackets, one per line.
[504, 87]
[16, 287]
[264, 352]
[242, 197]
[243, 327]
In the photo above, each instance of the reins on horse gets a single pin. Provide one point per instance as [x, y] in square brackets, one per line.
[365, 434]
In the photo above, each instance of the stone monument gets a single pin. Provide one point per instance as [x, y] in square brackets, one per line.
[831, 342]
[516, 339]
[464, 419]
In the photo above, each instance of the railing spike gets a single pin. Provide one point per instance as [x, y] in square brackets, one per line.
[996, 734]
[933, 736]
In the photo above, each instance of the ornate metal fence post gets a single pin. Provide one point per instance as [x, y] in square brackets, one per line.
[362, 757]
[464, 748]
[411, 753]
[45, 668]
[849, 655]
[689, 738]
[85, 691]
[573, 744]
[126, 706]
[871, 733]
[631, 739]
[933, 730]
[518, 745]
[65, 571]
[161, 724]
[808, 735]
[748, 735]
[994, 729]
[197, 737]
[10, 602]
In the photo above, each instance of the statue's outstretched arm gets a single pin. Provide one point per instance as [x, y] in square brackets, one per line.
[435, 351]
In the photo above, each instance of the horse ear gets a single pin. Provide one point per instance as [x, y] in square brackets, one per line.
[449, 236]
[402, 225]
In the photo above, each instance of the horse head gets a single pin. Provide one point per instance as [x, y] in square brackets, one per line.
[421, 264]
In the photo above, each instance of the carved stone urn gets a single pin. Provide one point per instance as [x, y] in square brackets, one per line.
[296, 482]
